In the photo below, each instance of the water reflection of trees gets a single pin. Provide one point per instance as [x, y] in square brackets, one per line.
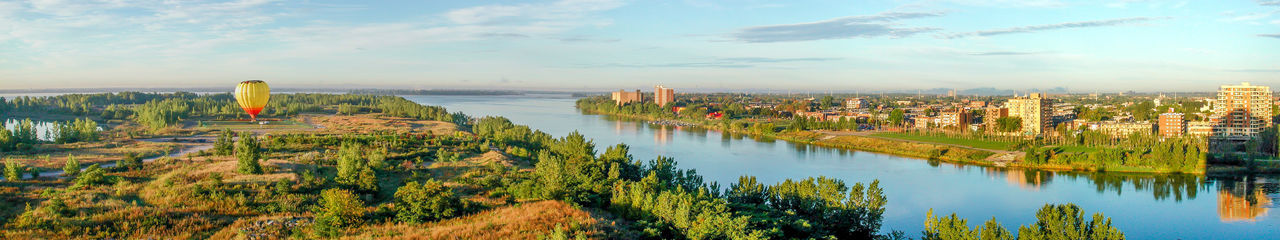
[1245, 197]
[1161, 187]
[1240, 197]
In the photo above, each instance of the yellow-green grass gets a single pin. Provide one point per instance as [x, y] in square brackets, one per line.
[984, 144]
[249, 125]
[535, 220]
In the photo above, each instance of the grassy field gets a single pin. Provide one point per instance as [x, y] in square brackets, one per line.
[947, 140]
[248, 125]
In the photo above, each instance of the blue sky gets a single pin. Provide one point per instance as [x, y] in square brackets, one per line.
[797, 45]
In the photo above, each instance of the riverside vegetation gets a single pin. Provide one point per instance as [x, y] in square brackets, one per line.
[419, 171]
[1073, 150]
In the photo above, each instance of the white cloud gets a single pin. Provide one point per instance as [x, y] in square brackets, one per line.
[1056, 26]
[561, 10]
[863, 26]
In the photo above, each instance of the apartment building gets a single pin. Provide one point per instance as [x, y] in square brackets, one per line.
[1035, 110]
[622, 97]
[1241, 111]
[663, 95]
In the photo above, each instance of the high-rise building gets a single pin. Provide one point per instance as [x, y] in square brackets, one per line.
[1241, 111]
[992, 114]
[1035, 110]
[623, 97]
[663, 95]
[958, 117]
[1172, 124]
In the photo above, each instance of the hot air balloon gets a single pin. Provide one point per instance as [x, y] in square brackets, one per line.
[252, 96]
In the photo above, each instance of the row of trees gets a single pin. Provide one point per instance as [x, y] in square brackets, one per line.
[80, 130]
[1066, 221]
[161, 110]
[22, 137]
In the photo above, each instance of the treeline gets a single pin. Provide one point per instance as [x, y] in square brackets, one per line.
[1173, 154]
[161, 110]
[23, 135]
[1066, 221]
[693, 108]
[1093, 149]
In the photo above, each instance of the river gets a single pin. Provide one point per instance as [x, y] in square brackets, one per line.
[1143, 206]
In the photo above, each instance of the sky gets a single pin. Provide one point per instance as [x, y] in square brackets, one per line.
[591, 45]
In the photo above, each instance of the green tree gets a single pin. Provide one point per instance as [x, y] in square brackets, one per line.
[897, 117]
[338, 208]
[1063, 222]
[1009, 124]
[378, 158]
[12, 170]
[248, 152]
[72, 167]
[1053, 222]
[130, 160]
[429, 201]
[955, 228]
[354, 170]
[349, 163]
[1143, 111]
[225, 144]
[93, 175]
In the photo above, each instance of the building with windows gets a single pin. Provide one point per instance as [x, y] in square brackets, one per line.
[1241, 111]
[854, 103]
[623, 97]
[663, 95]
[1063, 112]
[1124, 129]
[958, 117]
[991, 114]
[1200, 128]
[1172, 124]
[924, 122]
[1035, 110]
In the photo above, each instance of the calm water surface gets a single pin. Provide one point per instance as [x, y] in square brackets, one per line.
[1144, 206]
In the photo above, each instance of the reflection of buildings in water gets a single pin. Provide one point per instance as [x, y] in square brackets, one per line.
[661, 135]
[624, 126]
[1027, 179]
[1243, 200]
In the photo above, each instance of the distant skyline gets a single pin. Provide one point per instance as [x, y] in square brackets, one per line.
[600, 45]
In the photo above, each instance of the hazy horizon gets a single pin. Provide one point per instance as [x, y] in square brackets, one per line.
[596, 45]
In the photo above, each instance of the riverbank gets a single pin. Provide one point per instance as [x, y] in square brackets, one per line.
[952, 153]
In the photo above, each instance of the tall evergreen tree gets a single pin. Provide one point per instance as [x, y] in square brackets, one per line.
[248, 152]
[12, 170]
[72, 167]
[225, 144]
